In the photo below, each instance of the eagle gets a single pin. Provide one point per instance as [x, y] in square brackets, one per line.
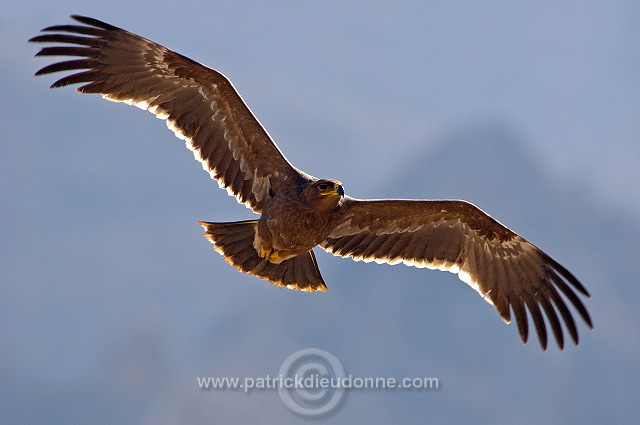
[298, 211]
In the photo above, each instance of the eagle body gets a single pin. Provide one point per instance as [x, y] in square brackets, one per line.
[298, 212]
[298, 218]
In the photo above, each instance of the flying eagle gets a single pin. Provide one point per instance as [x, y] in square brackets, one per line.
[298, 211]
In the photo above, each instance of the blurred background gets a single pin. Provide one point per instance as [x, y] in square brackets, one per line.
[112, 302]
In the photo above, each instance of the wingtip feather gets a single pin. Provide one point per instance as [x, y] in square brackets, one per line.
[93, 22]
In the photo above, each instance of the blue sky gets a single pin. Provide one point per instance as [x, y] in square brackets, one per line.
[113, 302]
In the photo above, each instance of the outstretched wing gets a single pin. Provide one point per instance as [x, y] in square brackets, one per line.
[507, 271]
[199, 104]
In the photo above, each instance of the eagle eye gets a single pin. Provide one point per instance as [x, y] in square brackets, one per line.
[323, 187]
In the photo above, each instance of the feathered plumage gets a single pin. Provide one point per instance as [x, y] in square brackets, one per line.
[298, 211]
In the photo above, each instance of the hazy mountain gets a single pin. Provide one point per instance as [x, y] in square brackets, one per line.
[378, 320]
[113, 303]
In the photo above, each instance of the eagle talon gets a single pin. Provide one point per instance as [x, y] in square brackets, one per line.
[265, 253]
[275, 257]
[298, 210]
[270, 255]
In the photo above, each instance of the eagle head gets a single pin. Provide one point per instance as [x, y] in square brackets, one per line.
[324, 192]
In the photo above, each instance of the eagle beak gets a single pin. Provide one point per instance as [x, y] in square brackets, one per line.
[336, 190]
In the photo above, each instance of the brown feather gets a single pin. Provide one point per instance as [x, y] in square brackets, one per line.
[125, 67]
[521, 318]
[538, 321]
[235, 242]
[201, 106]
[509, 272]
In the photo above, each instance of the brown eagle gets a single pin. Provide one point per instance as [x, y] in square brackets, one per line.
[299, 211]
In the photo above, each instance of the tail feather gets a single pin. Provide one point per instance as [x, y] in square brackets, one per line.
[235, 242]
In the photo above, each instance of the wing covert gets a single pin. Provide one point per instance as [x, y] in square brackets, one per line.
[199, 104]
[505, 269]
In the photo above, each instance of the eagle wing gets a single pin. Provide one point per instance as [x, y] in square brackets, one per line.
[198, 103]
[456, 236]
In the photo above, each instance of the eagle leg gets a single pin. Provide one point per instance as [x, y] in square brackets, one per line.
[235, 241]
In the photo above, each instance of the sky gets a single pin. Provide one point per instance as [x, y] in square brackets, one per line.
[113, 303]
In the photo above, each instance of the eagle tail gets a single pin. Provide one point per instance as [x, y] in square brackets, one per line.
[234, 241]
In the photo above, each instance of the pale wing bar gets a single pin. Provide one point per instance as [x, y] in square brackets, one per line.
[505, 269]
[198, 103]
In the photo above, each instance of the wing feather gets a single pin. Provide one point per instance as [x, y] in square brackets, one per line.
[521, 318]
[538, 321]
[505, 269]
[198, 103]
[553, 320]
